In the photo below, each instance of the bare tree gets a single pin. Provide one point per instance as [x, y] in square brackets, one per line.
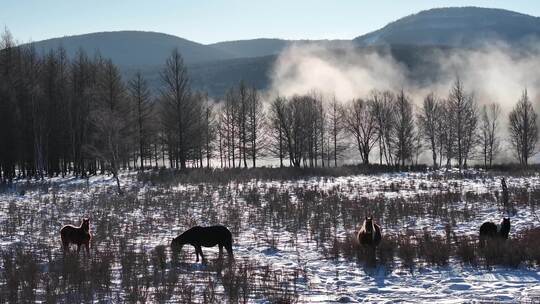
[220, 136]
[471, 139]
[241, 125]
[195, 130]
[243, 93]
[139, 94]
[303, 131]
[31, 70]
[462, 114]
[430, 122]
[488, 132]
[8, 121]
[228, 123]
[417, 146]
[447, 135]
[361, 124]
[403, 130]
[176, 95]
[277, 125]
[81, 83]
[255, 125]
[315, 127]
[523, 129]
[54, 93]
[296, 128]
[335, 125]
[383, 111]
[110, 119]
[209, 129]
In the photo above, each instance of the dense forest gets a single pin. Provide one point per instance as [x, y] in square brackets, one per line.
[61, 116]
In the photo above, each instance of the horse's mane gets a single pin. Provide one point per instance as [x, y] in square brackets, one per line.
[363, 228]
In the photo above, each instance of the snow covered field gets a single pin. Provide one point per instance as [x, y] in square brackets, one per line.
[285, 231]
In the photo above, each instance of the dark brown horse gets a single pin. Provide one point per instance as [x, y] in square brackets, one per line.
[489, 230]
[369, 233]
[205, 236]
[76, 235]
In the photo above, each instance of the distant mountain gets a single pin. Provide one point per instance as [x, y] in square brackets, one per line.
[217, 76]
[457, 27]
[266, 47]
[134, 48]
[414, 41]
[252, 48]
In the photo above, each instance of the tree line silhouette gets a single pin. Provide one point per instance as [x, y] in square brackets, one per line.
[61, 115]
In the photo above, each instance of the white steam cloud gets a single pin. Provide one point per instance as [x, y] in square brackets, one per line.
[495, 73]
[302, 69]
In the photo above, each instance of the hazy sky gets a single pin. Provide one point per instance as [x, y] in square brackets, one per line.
[219, 20]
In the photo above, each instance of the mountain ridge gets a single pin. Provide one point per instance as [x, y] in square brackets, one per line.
[128, 47]
[456, 26]
[271, 46]
[215, 67]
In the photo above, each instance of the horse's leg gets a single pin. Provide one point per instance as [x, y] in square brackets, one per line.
[65, 243]
[228, 247]
[220, 250]
[78, 248]
[200, 252]
[196, 253]
[372, 255]
[361, 239]
[87, 245]
[378, 235]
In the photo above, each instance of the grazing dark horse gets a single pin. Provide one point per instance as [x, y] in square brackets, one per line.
[205, 236]
[76, 235]
[369, 233]
[489, 230]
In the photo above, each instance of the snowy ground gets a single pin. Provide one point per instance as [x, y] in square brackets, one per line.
[264, 233]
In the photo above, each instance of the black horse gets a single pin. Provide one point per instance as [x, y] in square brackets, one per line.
[369, 233]
[76, 235]
[489, 230]
[205, 236]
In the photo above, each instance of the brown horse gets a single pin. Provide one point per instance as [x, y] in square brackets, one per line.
[76, 235]
[369, 233]
[205, 236]
[489, 230]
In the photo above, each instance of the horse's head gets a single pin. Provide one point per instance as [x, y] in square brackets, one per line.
[505, 221]
[177, 243]
[85, 225]
[368, 224]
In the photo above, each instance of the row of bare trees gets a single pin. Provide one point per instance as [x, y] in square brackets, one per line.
[457, 128]
[78, 116]
[240, 127]
[450, 126]
[61, 115]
